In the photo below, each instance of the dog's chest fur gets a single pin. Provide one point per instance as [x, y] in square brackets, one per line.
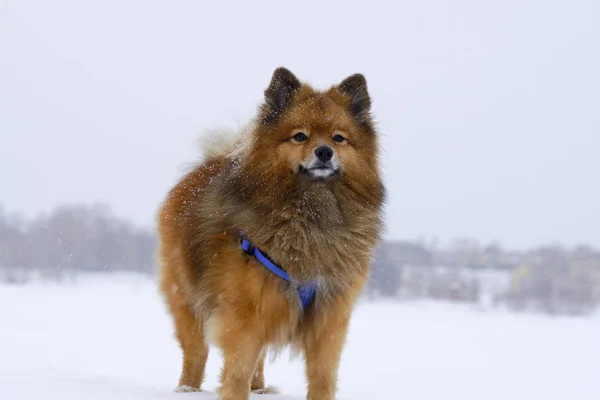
[318, 235]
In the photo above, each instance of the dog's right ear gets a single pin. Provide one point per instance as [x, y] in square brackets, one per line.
[278, 95]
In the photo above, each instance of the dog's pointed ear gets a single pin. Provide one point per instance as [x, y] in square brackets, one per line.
[279, 94]
[359, 104]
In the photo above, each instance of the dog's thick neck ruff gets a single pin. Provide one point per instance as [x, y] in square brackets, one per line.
[306, 291]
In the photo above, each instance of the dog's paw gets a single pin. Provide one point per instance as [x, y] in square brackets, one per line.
[266, 390]
[186, 389]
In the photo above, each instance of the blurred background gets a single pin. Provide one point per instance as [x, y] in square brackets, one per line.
[488, 112]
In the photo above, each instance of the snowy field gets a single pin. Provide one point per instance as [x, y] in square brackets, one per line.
[110, 338]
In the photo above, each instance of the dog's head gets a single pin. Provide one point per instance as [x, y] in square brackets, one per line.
[313, 136]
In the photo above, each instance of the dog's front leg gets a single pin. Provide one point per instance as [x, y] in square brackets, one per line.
[323, 348]
[241, 352]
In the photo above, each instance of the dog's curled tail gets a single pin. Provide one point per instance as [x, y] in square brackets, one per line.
[221, 141]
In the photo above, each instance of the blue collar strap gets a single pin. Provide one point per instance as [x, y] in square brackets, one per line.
[306, 291]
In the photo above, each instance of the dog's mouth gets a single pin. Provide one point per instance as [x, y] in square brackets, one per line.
[322, 171]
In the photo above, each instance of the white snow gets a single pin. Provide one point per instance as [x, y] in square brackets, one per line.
[110, 338]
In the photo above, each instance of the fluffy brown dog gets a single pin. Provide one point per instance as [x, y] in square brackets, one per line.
[303, 186]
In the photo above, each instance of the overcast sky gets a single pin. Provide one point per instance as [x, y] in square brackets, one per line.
[489, 111]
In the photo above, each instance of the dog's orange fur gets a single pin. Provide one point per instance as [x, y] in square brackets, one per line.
[321, 230]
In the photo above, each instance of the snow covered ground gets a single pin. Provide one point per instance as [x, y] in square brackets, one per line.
[110, 338]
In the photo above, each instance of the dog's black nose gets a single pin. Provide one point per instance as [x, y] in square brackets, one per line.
[324, 153]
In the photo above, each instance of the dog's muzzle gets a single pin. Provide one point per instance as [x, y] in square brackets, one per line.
[319, 169]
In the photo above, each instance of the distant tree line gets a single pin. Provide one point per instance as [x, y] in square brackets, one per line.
[73, 238]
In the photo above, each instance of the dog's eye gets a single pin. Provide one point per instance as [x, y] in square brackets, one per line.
[300, 137]
[338, 138]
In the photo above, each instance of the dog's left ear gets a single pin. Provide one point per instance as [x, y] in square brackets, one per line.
[279, 94]
[359, 104]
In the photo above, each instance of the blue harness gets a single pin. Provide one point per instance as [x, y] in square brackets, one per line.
[306, 291]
